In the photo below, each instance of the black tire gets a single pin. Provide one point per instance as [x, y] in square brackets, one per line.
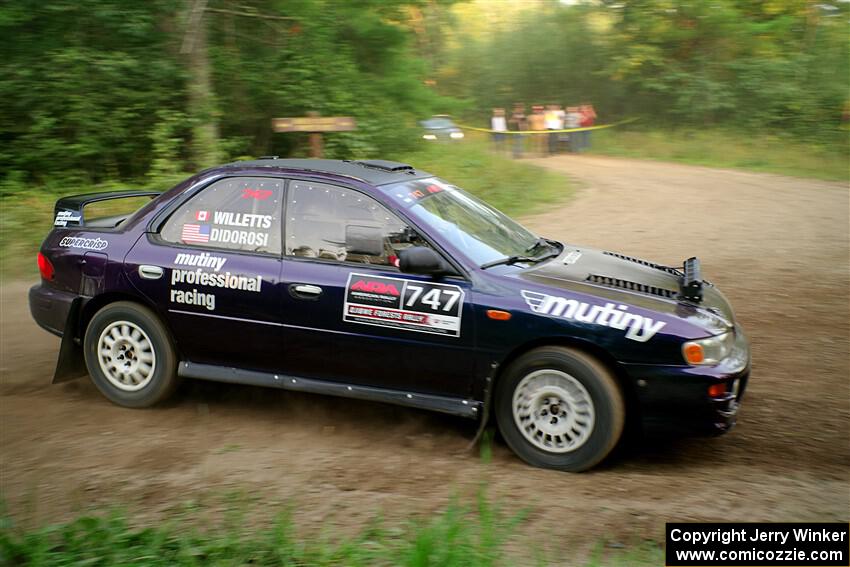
[602, 389]
[160, 382]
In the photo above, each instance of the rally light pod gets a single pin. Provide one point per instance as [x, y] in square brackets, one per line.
[691, 286]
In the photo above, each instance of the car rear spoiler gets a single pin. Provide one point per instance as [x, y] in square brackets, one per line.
[68, 211]
[691, 282]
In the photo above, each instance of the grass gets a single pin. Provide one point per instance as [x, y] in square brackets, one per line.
[26, 216]
[26, 213]
[461, 535]
[514, 187]
[717, 148]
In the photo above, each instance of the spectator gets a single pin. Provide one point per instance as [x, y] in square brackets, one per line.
[499, 126]
[518, 123]
[554, 121]
[588, 118]
[573, 120]
[537, 122]
[563, 138]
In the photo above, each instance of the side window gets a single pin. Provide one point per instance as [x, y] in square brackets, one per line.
[237, 213]
[319, 215]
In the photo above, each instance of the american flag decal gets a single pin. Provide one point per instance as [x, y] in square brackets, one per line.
[199, 233]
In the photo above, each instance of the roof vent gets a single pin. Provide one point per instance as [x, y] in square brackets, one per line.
[384, 165]
[632, 286]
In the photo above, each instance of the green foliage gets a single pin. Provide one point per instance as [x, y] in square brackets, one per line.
[166, 138]
[26, 210]
[463, 534]
[546, 53]
[753, 66]
[26, 215]
[99, 89]
[460, 535]
[81, 84]
[775, 153]
[513, 187]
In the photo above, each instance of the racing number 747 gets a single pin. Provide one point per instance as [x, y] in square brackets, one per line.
[432, 298]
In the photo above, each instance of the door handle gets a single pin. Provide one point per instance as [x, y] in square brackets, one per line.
[305, 291]
[150, 272]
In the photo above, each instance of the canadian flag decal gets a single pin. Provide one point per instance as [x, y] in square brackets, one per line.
[202, 216]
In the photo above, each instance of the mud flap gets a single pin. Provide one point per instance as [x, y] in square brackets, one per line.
[71, 363]
[485, 412]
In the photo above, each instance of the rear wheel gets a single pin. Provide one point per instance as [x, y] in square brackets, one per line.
[559, 408]
[129, 355]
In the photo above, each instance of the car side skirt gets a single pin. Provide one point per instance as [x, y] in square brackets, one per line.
[454, 406]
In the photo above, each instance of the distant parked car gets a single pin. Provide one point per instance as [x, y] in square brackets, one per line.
[441, 128]
[379, 281]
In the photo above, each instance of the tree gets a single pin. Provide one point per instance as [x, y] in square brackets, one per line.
[779, 65]
[201, 99]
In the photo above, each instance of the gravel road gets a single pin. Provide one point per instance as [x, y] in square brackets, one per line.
[777, 246]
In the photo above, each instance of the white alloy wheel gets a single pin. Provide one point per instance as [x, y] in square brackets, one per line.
[553, 411]
[126, 356]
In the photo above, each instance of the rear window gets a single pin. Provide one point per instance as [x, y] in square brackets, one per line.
[236, 213]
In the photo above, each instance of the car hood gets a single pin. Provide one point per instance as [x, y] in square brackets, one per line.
[638, 282]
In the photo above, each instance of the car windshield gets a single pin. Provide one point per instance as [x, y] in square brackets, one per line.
[480, 231]
[435, 123]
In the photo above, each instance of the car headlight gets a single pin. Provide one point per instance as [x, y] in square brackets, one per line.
[456, 135]
[429, 137]
[708, 351]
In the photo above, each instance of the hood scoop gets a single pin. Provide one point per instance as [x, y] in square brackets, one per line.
[633, 286]
[668, 269]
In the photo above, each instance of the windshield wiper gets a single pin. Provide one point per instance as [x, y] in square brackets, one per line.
[545, 243]
[539, 243]
[510, 260]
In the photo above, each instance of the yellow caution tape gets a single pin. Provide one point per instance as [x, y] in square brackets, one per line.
[585, 129]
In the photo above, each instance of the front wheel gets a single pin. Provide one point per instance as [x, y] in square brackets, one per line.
[559, 408]
[129, 355]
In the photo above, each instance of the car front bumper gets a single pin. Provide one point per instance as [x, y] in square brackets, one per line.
[677, 399]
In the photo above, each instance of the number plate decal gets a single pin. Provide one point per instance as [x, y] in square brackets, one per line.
[409, 305]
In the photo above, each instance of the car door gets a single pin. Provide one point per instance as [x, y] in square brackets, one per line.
[353, 317]
[214, 272]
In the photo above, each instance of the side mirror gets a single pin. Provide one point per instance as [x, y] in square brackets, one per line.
[422, 260]
[365, 240]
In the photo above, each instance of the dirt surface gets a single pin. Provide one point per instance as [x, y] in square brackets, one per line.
[778, 247]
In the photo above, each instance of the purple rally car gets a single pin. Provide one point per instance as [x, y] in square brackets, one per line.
[375, 280]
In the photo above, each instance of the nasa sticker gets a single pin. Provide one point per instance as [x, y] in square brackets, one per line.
[409, 305]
